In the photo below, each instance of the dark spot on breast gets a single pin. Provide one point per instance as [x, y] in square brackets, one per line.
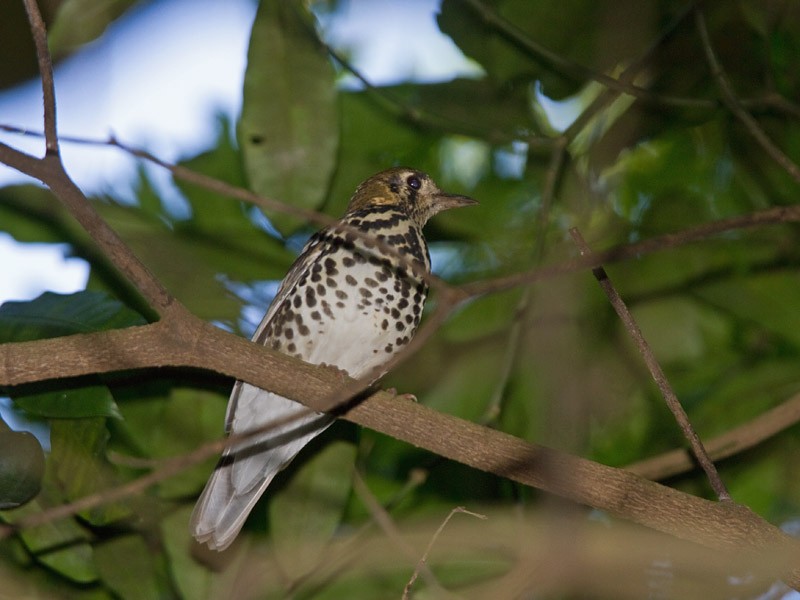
[388, 348]
[348, 262]
[350, 279]
[409, 319]
[288, 333]
[315, 316]
[341, 294]
[326, 308]
[331, 282]
[402, 303]
[291, 348]
[395, 313]
[385, 324]
[360, 258]
[381, 276]
[340, 304]
[400, 326]
[303, 330]
[311, 299]
[315, 277]
[365, 292]
[371, 282]
[320, 289]
[330, 267]
[297, 301]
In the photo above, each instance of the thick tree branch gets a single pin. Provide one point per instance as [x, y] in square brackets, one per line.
[194, 343]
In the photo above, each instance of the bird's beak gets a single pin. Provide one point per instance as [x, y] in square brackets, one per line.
[444, 201]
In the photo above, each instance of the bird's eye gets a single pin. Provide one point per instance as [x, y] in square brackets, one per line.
[413, 182]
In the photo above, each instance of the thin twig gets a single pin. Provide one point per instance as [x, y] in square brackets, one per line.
[730, 443]
[423, 561]
[768, 216]
[386, 523]
[569, 68]
[39, 32]
[656, 371]
[229, 190]
[733, 104]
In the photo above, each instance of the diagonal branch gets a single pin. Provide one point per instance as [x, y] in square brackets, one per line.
[733, 104]
[619, 492]
[656, 372]
[39, 32]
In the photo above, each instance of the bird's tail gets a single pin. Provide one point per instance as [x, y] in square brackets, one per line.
[246, 469]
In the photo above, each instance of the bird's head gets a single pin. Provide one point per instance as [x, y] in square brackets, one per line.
[412, 191]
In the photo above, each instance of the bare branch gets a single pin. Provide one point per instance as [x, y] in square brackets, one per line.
[730, 443]
[733, 104]
[656, 371]
[422, 564]
[39, 32]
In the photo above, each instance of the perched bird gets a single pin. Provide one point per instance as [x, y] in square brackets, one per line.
[346, 302]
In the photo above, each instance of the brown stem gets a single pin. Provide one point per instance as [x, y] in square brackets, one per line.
[656, 371]
[735, 106]
[39, 32]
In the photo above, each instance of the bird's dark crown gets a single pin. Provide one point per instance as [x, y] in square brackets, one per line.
[411, 191]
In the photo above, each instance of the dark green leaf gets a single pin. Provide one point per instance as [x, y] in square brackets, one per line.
[21, 467]
[54, 315]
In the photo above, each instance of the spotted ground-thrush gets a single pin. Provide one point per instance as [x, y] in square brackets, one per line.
[347, 302]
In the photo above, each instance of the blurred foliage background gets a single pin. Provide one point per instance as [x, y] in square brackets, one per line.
[544, 146]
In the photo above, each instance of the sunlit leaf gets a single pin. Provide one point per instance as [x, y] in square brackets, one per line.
[289, 128]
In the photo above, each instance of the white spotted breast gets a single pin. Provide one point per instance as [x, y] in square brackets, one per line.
[353, 305]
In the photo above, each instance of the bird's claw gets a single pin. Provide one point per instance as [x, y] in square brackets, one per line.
[393, 392]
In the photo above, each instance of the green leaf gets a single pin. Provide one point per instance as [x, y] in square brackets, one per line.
[126, 565]
[21, 467]
[162, 426]
[77, 403]
[61, 544]
[193, 262]
[65, 36]
[191, 578]
[79, 464]
[289, 127]
[305, 514]
[31, 214]
[565, 27]
[54, 315]
[770, 299]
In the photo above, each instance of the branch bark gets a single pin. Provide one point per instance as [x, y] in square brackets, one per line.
[193, 343]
